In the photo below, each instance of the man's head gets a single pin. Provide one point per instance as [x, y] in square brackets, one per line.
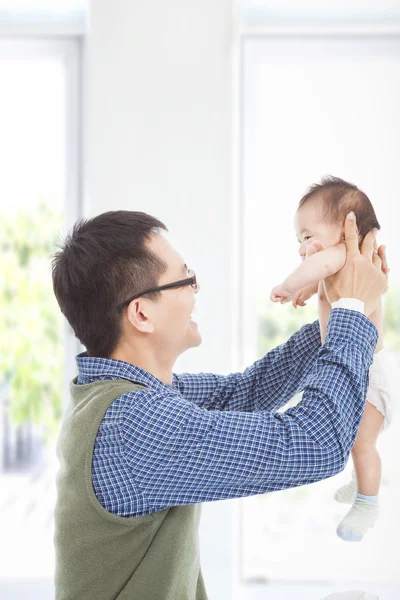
[323, 209]
[110, 259]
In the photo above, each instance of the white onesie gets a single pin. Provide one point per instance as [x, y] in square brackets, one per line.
[382, 391]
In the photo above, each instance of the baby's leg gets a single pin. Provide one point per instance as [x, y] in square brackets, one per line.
[347, 493]
[367, 466]
[372, 421]
[367, 462]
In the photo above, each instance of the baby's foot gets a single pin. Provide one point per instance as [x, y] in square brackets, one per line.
[359, 519]
[347, 493]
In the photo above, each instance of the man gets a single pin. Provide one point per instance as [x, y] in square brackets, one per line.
[140, 447]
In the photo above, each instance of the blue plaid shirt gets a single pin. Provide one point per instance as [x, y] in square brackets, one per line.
[211, 437]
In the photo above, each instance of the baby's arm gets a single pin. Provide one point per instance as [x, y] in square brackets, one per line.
[311, 271]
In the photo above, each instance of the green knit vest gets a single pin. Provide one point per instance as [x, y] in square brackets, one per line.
[101, 556]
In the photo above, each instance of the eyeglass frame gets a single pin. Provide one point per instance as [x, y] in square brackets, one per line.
[168, 286]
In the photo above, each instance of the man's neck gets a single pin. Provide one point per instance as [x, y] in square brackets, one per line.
[161, 369]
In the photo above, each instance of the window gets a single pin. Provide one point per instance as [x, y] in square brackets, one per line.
[39, 200]
[315, 105]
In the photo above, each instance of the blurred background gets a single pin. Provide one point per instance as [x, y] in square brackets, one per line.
[215, 117]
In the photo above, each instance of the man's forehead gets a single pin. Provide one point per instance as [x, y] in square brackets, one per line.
[163, 247]
[161, 244]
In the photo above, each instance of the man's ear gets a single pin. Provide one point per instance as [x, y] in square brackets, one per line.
[139, 315]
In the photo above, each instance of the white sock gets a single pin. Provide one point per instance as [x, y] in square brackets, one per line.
[347, 493]
[359, 519]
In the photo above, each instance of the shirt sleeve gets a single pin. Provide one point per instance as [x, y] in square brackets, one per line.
[267, 384]
[180, 453]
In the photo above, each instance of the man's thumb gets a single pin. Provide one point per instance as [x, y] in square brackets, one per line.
[351, 233]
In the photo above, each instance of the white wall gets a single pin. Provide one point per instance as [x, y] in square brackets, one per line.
[158, 138]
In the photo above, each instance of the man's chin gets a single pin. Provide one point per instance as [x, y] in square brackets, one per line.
[196, 341]
[195, 338]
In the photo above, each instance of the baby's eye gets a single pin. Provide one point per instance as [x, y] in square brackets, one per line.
[307, 237]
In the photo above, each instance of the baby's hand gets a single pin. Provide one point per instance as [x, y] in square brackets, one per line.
[278, 294]
[300, 297]
[313, 247]
[281, 294]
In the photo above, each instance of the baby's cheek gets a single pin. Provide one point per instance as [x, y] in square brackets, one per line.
[334, 239]
[339, 237]
[330, 234]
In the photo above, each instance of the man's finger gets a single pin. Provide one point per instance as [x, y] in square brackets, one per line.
[385, 268]
[351, 234]
[376, 259]
[367, 247]
[382, 255]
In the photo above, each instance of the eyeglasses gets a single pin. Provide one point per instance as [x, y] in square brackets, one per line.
[177, 284]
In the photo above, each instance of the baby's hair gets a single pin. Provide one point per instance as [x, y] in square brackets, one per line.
[340, 197]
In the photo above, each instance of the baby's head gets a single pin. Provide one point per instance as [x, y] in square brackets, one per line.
[322, 211]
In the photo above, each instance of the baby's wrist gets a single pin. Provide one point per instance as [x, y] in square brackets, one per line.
[289, 287]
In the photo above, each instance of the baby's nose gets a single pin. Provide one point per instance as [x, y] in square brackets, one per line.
[302, 250]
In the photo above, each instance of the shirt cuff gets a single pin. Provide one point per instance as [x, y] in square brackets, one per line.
[352, 325]
[350, 304]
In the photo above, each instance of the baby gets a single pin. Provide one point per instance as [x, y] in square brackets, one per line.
[319, 224]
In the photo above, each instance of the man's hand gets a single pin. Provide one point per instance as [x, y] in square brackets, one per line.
[362, 276]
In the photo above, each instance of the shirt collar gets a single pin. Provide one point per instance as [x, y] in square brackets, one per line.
[91, 369]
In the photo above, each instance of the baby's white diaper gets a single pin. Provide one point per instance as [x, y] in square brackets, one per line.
[383, 384]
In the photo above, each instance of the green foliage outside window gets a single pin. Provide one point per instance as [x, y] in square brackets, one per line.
[31, 325]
